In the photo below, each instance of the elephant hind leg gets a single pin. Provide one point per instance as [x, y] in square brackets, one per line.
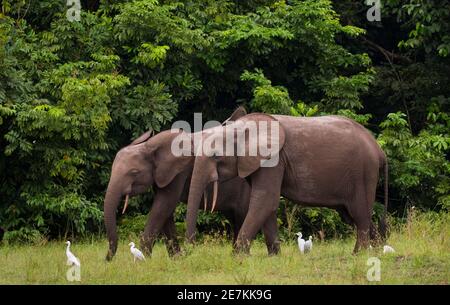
[375, 236]
[371, 187]
[148, 239]
[361, 213]
[237, 222]
[345, 216]
[170, 237]
[270, 230]
[362, 240]
[373, 232]
[362, 232]
[361, 208]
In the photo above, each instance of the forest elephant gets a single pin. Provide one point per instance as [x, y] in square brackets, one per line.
[148, 161]
[327, 161]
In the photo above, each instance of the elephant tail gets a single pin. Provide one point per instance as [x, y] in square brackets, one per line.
[383, 228]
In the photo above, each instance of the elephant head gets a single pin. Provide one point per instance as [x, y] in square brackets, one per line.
[236, 149]
[145, 162]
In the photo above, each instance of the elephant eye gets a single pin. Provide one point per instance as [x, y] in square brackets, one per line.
[134, 172]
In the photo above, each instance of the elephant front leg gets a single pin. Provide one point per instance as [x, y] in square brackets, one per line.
[264, 202]
[170, 232]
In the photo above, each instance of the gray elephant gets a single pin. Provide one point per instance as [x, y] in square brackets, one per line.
[148, 161]
[327, 161]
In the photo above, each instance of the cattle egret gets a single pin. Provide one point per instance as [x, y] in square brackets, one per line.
[388, 249]
[71, 259]
[301, 242]
[136, 253]
[308, 245]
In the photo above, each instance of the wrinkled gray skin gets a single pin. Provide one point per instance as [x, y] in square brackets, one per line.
[147, 162]
[327, 161]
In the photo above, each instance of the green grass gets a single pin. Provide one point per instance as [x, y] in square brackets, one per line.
[422, 257]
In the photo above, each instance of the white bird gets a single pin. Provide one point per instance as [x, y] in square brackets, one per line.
[71, 259]
[137, 254]
[308, 245]
[301, 242]
[388, 249]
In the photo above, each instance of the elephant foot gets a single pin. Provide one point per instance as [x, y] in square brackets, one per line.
[376, 238]
[273, 249]
[147, 251]
[360, 246]
[174, 253]
[112, 249]
[147, 247]
[173, 249]
[240, 249]
[109, 255]
[178, 254]
[240, 254]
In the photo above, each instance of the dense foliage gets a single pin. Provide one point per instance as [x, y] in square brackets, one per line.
[73, 93]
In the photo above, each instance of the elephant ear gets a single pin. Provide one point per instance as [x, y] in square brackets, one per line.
[144, 137]
[254, 153]
[237, 114]
[166, 165]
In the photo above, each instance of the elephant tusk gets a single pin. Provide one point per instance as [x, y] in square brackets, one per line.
[216, 186]
[126, 204]
[205, 200]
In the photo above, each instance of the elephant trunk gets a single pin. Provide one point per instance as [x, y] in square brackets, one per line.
[204, 172]
[112, 200]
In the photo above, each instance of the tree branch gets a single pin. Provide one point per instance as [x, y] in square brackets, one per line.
[390, 56]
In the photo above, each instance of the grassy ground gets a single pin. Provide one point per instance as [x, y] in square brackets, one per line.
[422, 257]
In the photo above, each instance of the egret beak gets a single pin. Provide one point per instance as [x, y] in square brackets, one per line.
[126, 204]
